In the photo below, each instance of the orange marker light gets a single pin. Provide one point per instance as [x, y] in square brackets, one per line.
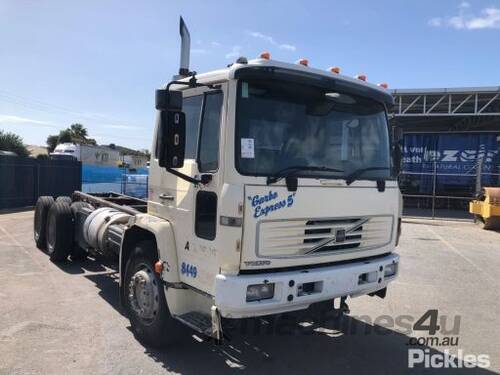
[265, 55]
[361, 77]
[159, 267]
[335, 69]
[304, 62]
[383, 85]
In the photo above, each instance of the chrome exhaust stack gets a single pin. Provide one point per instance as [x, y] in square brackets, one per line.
[185, 50]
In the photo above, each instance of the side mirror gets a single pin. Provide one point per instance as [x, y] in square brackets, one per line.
[166, 100]
[172, 139]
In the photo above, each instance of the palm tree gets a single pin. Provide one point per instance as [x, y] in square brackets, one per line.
[78, 131]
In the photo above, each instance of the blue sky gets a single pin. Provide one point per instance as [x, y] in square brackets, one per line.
[98, 62]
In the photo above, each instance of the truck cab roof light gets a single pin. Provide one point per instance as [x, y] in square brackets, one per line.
[265, 55]
[304, 62]
[242, 60]
[361, 77]
[383, 85]
[335, 69]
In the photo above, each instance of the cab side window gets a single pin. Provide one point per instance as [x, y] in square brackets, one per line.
[208, 155]
[191, 106]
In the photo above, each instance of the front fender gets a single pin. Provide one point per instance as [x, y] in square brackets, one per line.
[143, 226]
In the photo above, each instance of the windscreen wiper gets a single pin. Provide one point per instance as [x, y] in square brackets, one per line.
[290, 171]
[359, 172]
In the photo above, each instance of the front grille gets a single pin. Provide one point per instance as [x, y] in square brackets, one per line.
[286, 238]
[352, 240]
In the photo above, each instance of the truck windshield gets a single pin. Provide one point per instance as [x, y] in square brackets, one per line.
[283, 125]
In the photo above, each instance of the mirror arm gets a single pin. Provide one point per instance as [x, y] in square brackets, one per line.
[192, 83]
[184, 176]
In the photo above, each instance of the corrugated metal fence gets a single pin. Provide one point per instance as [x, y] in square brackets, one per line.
[23, 180]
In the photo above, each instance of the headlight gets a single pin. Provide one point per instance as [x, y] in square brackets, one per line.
[390, 270]
[259, 292]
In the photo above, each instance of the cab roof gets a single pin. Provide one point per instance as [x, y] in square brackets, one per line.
[280, 70]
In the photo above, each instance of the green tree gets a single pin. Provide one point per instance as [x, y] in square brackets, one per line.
[76, 133]
[14, 143]
[52, 142]
[65, 136]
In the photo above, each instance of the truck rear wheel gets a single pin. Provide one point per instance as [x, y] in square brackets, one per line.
[65, 199]
[40, 220]
[59, 232]
[145, 299]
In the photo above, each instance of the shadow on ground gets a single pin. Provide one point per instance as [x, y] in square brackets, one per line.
[293, 343]
[342, 345]
[103, 272]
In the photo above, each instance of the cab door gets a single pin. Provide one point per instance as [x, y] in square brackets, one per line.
[197, 249]
[193, 209]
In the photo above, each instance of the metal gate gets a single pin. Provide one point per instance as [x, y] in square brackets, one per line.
[23, 180]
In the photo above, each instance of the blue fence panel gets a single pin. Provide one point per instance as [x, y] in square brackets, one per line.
[135, 185]
[102, 179]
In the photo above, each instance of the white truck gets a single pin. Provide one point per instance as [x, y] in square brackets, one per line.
[272, 188]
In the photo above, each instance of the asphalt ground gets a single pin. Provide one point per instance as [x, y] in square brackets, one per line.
[66, 318]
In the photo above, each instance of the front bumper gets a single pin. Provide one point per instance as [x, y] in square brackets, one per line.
[351, 279]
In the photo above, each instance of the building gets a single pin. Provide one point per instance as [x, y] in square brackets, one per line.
[450, 143]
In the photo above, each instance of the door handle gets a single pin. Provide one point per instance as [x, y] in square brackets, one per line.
[166, 197]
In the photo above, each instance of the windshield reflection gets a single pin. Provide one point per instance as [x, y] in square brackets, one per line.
[280, 125]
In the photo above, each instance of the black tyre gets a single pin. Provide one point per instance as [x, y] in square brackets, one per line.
[60, 231]
[65, 199]
[145, 299]
[40, 220]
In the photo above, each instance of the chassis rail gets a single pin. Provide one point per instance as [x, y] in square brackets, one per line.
[124, 203]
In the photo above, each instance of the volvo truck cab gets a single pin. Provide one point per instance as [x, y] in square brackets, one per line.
[272, 188]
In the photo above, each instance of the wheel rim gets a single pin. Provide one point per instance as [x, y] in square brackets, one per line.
[143, 294]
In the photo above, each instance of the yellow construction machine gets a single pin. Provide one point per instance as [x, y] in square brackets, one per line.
[486, 208]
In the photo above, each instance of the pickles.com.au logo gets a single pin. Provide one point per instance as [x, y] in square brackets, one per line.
[421, 352]
[425, 357]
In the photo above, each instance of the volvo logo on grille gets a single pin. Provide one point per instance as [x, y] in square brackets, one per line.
[340, 235]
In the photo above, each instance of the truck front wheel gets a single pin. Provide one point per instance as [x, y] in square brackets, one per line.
[145, 298]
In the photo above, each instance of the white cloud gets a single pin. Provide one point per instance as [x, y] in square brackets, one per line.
[235, 52]
[435, 22]
[267, 38]
[464, 4]
[287, 47]
[489, 18]
[17, 120]
[271, 40]
[215, 44]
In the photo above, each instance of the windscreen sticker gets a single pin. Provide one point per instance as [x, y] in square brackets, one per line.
[263, 205]
[244, 90]
[247, 148]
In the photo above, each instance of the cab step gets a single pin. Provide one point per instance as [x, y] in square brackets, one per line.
[199, 322]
